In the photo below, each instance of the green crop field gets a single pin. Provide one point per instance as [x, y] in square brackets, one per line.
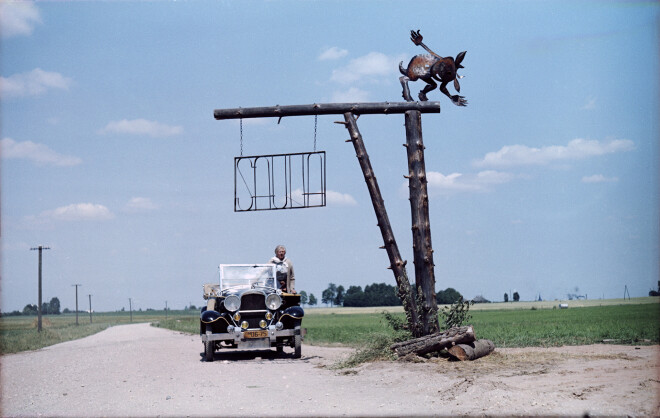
[521, 324]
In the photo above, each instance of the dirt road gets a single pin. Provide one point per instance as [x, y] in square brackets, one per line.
[138, 370]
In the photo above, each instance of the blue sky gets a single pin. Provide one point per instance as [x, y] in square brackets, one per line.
[547, 183]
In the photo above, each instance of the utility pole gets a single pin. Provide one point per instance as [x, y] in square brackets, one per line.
[40, 248]
[130, 308]
[90, 309]
[76, 285]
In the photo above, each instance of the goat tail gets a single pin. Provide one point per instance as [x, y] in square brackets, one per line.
[401, 69]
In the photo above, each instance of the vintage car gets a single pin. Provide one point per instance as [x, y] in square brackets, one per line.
[246, 310]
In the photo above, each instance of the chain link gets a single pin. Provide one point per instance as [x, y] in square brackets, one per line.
[241, 137]
[315, 121]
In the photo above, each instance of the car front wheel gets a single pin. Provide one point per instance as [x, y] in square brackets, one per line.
[209, 350]
[297, 344]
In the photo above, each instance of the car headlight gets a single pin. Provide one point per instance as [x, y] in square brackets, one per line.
[263, 324]
[273, 301]
[232, 303]
[245, 325]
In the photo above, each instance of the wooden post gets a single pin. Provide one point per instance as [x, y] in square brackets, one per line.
[396, 263]
[39, 313]
[421, 228]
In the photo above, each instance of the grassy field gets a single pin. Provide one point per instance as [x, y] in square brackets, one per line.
[19, 333]
[519, 324]
[624, 323]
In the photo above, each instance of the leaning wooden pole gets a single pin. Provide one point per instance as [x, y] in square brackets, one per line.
[421, 227]
[396, 263]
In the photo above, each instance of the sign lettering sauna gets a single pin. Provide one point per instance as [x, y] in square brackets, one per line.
[279, 181]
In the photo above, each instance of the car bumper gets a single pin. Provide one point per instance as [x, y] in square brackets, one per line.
[238, 337]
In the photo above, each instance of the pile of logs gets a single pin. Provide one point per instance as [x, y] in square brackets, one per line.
[460, 343]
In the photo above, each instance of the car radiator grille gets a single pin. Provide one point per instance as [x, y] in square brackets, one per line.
[252, 302]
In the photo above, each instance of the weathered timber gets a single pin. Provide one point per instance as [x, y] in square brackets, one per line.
[421, 226]
[382, 108]
[435, 342]
[397, 264]
[472, 351]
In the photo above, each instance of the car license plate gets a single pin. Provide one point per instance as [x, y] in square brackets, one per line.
[256, 334]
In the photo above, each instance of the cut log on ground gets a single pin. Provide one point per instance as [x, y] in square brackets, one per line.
[473, 350]
[435, 342]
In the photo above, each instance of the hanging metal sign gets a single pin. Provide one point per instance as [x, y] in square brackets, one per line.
[279, 181]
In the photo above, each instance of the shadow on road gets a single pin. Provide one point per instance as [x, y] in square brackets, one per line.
[245, 355]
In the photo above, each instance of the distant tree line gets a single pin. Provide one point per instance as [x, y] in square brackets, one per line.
[307, 300]
[376, 294]
[47, 308]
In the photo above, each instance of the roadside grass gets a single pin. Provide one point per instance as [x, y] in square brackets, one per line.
[19, 333]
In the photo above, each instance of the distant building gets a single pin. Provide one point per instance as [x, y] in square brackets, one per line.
[480, 299]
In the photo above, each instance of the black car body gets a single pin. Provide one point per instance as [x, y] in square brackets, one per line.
[247, 311]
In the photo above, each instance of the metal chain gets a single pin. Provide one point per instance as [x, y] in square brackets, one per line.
[315, 121]
[241, 137]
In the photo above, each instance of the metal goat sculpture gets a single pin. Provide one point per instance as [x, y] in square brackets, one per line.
[431, 67]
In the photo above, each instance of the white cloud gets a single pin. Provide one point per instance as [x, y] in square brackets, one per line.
[332, 198]
[438, 182]
[599, 178]
[142, 127]
[78, 212]
[140, 204]
[483, 181]
[373, 66]
[512, 155]
[18, 18]
[339, 199]
[37, 153]
[352, 95]
[32, 83]
[332, 53]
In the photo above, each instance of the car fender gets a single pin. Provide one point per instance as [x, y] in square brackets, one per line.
[209, 317]
[296, 312]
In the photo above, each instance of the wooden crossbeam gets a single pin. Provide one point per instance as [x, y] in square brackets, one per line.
[384, 108]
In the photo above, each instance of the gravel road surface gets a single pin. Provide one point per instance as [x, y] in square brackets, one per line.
[139, 370]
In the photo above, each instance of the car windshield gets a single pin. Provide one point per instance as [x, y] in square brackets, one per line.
[246, 276]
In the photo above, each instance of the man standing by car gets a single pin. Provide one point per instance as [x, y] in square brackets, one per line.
[284, 267]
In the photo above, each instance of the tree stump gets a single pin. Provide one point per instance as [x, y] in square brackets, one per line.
[435, 342]
[472, 351]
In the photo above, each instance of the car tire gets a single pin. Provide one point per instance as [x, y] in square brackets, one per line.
[209, 347]
[297, 353]
[280, 350]
[209, 350]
